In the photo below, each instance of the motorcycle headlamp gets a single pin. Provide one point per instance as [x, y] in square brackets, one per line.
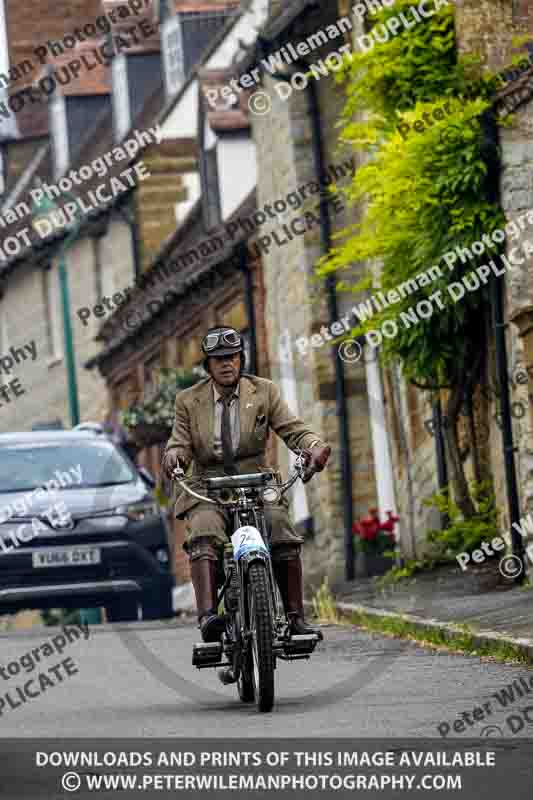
[270, 495]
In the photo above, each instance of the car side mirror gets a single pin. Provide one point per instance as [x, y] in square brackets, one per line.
[147, 477]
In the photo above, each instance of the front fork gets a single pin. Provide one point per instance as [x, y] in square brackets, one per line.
[258, 518]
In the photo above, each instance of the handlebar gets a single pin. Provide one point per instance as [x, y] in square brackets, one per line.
[300, 471]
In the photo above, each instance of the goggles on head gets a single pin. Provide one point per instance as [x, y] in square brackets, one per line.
[223, 338]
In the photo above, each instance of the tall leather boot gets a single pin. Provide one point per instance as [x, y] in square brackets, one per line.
[203, 576]
[289, 577]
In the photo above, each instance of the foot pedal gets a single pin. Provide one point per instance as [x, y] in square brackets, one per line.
[207, 654]
[300, 645]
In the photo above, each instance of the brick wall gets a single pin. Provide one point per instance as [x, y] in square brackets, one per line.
[157, 196]
[49, 19]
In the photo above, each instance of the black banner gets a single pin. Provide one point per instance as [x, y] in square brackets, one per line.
[242, 768]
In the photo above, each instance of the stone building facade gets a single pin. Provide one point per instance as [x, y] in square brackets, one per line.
[114, 243]
[297, 305]
[117, 241]
[487, 29]
[294, 145]
[292, 306]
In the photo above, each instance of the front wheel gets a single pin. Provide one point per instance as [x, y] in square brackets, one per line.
[261, 651]
[245, 684]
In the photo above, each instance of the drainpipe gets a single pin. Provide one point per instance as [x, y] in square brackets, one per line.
[250, 308]
[491, 131]
[440, 455]
[70, 360]
[340, 392]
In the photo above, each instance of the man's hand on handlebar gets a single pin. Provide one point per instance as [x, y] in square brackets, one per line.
[315, 459]
[171, 463]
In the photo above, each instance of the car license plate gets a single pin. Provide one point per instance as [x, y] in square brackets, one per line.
[67, 557]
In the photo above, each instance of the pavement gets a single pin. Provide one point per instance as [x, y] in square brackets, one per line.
[136, 679]
[447, 598]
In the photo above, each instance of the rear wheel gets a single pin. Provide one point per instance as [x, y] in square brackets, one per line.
[261, 656]
[245, 683]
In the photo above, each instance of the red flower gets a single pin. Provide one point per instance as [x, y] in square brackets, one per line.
[370, 528]
[389, 524]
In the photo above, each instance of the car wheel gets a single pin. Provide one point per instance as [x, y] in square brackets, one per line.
[157, 605]
[123, 610]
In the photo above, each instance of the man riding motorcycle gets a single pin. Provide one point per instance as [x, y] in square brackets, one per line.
[221, 424]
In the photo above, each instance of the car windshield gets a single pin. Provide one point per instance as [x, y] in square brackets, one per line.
[85, 463]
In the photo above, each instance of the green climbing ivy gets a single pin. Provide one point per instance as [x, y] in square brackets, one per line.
[423, 191]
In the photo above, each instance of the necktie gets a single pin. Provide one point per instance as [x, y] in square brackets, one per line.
[225, 435]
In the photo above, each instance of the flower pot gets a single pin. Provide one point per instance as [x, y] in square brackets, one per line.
[369, 564]
[377, 564]
[360, 564]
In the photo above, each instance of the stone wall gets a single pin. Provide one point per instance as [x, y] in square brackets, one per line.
[296, 307]
[45, 380]
[413, 452]
[488, 28]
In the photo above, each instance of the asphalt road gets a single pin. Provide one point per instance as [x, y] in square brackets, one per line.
[137, 680]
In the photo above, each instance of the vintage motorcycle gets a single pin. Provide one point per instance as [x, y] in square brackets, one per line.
[257, 632]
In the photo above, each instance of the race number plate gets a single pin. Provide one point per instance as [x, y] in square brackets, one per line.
[245, 539]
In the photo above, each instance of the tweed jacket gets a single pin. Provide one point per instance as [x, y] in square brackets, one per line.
[260, 408]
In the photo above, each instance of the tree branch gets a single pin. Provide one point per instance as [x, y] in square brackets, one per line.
[432, 388]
